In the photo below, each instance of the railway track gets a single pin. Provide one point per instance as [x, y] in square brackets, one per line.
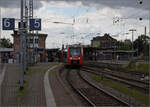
[115, 67]
[143, 86]
[129, 76]
[94, 95]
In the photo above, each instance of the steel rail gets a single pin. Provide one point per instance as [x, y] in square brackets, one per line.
[106, 92]
[78, 91]
[139, 81]
[85, 97]
[123, 80]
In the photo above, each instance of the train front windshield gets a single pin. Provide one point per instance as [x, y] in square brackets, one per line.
[75, 52]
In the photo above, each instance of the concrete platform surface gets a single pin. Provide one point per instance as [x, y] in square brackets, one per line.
[33, 93]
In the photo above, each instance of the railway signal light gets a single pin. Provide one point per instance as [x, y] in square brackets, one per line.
[140, 18]
[140, 1]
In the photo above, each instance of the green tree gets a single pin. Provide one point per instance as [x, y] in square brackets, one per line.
[6, 43]
[123, 46]
[141, 44]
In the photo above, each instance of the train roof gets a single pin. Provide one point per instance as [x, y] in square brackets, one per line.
[74, 46]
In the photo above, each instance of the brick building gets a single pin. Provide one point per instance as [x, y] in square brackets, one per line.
[39, 45]
[105, 41]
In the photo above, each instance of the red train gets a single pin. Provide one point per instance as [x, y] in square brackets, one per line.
[73, 55]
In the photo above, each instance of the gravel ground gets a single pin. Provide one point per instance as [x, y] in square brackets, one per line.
[63, 94]
[138, 85]
[98, 97]
[117, 72]
[33, 94]
[78, 99]
[120, 95]
[9, 86]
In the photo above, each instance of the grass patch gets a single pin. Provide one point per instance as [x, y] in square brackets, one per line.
[97, 78]
[107, 70]
[19, 97]
[139, 96]
[36, 69]
[144, 68]
[141, 67]
[23, 90]
[52, 72]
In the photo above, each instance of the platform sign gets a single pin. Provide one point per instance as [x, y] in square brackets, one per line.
[8, 23]
[35, 24]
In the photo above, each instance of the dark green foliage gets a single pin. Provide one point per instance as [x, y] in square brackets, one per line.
[6, 43]
[142, 45]
[123, 46]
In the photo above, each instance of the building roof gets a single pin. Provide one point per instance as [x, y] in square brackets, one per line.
[120, 51]
[105, 37]
[6, 49]
[16, 33]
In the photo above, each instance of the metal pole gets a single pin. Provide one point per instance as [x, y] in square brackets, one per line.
[145, 30]
[132, 30]
[149, 41]
[33, 48]
[0, 23]
[21, 49]
[149, 22]
[145, 40]
[132, 40]
[26, 54]
[37, 38]
[73, 30]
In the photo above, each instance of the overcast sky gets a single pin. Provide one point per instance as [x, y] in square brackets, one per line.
[92, 17]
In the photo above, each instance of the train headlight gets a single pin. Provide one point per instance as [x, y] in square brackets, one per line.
[71, 58]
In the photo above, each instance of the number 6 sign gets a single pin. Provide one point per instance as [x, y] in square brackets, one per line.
[35, 24]
[8, 23]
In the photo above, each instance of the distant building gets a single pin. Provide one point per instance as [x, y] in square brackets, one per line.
[105, 41]
[52, 54]
[6, 55]
[39, 45]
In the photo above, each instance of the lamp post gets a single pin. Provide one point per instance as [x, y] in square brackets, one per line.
[132, 30]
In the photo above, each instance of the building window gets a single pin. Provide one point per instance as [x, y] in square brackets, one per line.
[31, 40]
[36, 41]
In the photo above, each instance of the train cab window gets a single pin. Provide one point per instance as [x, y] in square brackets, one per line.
[75, 52]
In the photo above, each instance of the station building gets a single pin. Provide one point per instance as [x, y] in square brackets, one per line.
[35, 46]
[104, 48]
[53, 54]
[105, 41]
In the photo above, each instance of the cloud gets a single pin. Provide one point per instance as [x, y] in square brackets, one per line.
[16, 3]
[10, 12]
[99, 21]
[88, 3]
[110, 3]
